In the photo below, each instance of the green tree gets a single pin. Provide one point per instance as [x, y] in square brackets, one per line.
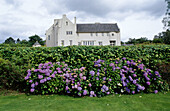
[10, 40]
[166, 37]
[18, 40]
[166, 19]
[34, 38]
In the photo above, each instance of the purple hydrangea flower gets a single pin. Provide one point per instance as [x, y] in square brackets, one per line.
[26, 78]
[124, 83]
[133, 92]
[73, 87]
[36, 83]
[124, 58]
[98, 74]
[147, 78]
[30, 81]
[80, 74]
[156, 72]
[76, 86]
[79, 88]
[111, 64]
[104, 78]
[127, 80]
[107, 93]
[128, 62]
[89, 84]
[156, 91]
[42, 81]
[99, 65]
[67, 88]
[40, 76]
[60, 72]
[91, 92]
[97, 78]
[32, 90]
[116, 62]
[32, 85]
[123, 78]
[85, 92]
[130, 78]
[134, 75]
[127, 89]
[53, 75]
[49, 78]
[36, 70]
[92, 73]
[134, 81]
[47, 74]
[110, 79]
[148, 83]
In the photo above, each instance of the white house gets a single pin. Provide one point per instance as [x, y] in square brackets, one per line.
[64, 33]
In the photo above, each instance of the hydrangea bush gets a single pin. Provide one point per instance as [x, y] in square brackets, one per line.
[106, 77]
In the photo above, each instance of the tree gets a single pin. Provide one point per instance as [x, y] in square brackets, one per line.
[34, 38]
[10, 40]
[166, 19]
[18, 40]
[166, 37]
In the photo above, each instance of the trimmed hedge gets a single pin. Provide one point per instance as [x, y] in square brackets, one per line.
[83, 56]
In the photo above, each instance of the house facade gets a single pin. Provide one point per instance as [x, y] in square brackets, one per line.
[65, 33]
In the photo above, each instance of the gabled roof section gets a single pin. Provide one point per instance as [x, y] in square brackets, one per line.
[97, 27]
[36, 43]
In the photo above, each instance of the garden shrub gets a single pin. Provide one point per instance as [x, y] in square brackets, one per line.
[107, 77]
[8, 74]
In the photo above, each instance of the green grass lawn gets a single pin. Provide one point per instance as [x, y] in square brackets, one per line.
[138, 102]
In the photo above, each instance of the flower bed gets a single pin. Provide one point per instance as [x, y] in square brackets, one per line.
[106, 77]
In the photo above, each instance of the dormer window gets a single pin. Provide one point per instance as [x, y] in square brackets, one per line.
[66, 23]
[113, 34]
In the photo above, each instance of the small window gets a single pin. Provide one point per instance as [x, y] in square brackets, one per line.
[102, 34]
[112, 34]
[62, 42]
[48, 37]
[71, 42]
[112, 43]
[100, 43]
[108, 34]
[96, 34]
[66, 23]
[88, 42]
[79, 43]
[91, 34]
[69, 32]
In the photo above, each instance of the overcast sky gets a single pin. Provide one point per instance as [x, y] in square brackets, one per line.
[135, 18]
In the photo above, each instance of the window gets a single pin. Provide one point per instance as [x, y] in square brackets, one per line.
[100, 43]
[91, 34]
[112, 34]
[66, 23]
[108, 34]
[112, 43]
[48, 37]
[62, 42]
[96, 34]
[69, 32]
[79, 43]
[88, 42]
[71, 42]
[102, 34]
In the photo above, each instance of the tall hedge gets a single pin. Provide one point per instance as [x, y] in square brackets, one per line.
[84, 56]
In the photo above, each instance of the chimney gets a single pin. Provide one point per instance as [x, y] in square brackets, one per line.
[64, 15]
[74, 20]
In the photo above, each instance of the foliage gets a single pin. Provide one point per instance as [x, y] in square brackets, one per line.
[34, 38]
[163, 37]
[9, 75]
[165, 20]
[83, 56]
[120, 76]
[138, 41]
[10, 40]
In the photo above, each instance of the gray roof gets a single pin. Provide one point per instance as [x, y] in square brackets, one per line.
[36, 43]
[97, 27]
